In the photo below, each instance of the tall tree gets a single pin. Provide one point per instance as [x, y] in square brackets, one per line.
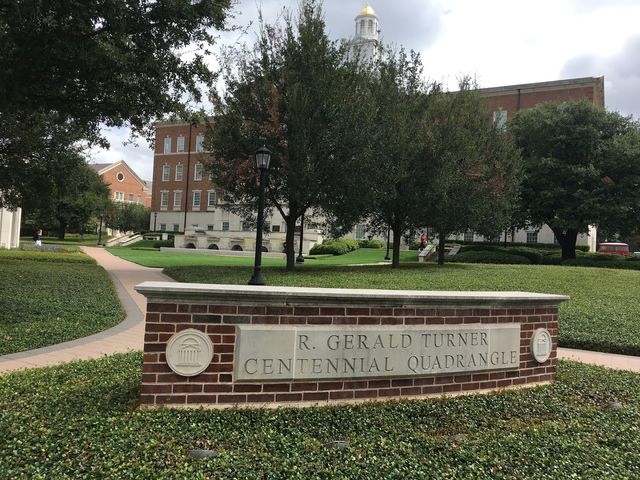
[398, 175]
[474, 166]
[286, 92]
[112, 62]
[581, 168]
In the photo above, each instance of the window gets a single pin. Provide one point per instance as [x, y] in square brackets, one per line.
[370, 26]
[139, 200]
[275, 228]
[211, 198]
[500, 119]
[468, 236]
[200, 143]
[532, 237]
[197, 195]
[179, 169]
[245, 226]
[194, 225]
[119, 196]
[167, 144]
[360, 232]
[177, 199]
[180, 144]
[210, 228]
[225, 226]
[120, 176]
[131, 198]
[163, 226]
[176, 227]
[165, 173]
[197, 174]
[164, 199]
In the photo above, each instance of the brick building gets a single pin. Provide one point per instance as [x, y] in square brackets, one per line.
[124, 184]
[505, 102]
[184, 199]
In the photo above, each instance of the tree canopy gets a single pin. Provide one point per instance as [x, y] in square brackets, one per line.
[581, 168]
[291, 92]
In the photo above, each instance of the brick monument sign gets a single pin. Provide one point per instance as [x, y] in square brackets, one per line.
[226, 345]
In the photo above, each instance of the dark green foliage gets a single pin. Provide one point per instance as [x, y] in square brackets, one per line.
[49, 298]
[371, 243]
[532, 254]
[335, 246]
[488, 256]
[163, 243]
[581, 168]
[78, 421]
[128, 217]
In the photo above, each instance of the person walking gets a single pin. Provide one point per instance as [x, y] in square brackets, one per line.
[37, 237]
[423, 241]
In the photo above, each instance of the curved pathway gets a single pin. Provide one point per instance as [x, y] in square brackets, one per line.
[126, 336]
[129, 335]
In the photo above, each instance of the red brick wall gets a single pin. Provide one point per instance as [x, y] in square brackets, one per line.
[215, 386]
[129, 185]
[174, 158]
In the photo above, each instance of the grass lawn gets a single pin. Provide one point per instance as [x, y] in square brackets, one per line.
[70, 240]
[78, 421]
[48, 298]
[602, 315]
[158, 259]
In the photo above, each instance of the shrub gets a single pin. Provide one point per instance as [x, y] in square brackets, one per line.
[371, 244]
[532, 254]
[163, 243]
[484, 256]
[335, 246]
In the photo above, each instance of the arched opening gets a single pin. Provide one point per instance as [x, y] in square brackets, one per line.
[264, 249]
[189, 245]
[370, 26]
[213, 246]
[236, 248]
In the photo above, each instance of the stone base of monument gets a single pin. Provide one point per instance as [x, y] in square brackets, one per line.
[234, 345]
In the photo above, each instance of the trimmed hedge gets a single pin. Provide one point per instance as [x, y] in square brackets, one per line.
[79, 421]
[483, 256]
[335, 246]
[371, 244]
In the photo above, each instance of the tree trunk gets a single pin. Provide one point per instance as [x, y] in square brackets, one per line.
[567, 241]
[290, 249]
[442, 240]
[397, 237]
[62, 229]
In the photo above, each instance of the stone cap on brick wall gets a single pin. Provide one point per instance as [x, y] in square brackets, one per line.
[158, 292]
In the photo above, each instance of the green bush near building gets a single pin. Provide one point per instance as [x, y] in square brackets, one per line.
[80, 421]
[48, 298]
[335, 246]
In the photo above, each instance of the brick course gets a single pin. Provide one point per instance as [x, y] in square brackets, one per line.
[215, 386]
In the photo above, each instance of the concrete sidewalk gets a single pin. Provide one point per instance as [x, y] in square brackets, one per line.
[126, 336]
[129, 335]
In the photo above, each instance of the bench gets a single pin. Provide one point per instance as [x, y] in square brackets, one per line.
[425, 252]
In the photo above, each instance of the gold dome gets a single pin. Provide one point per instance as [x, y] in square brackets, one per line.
[367, 11]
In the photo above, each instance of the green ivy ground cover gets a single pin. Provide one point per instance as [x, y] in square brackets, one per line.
[48, 298]
[79, 421]
[602, 315]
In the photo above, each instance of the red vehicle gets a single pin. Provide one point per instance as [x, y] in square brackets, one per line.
[616, 248]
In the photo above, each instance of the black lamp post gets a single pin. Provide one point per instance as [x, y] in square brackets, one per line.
[386, 257]
[300, 258]
[263, 157]
[100, 229]
[155, 219]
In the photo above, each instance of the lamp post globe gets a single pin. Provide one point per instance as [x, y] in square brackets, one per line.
[263, 157]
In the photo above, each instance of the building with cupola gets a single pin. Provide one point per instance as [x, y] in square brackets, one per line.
[365, 45]
[185, 200]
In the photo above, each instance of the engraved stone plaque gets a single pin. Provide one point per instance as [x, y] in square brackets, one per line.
[189, 352]
[541, 345]
[265, 353]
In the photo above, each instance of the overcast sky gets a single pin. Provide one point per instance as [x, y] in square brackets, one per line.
[500, 42]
